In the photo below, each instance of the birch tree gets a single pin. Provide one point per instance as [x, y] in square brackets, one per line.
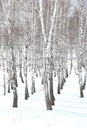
[26, 59]
[47, 50]
[81, 43]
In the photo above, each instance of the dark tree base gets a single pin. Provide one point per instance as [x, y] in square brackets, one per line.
[15, 98]
[42, 82]
[22, 80]
[48, 103]
[26, 93]
[4, 89]
[33, 90]
[81, 93]
[8, 88]
[58, 91]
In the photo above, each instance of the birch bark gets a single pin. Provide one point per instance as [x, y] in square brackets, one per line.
[81, 42]
[47, 49]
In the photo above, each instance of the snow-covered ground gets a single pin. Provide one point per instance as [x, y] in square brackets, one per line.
[69, 112]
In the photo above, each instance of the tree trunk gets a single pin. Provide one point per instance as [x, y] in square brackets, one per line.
[42, 81]
[8, 87]
[66, 73]
[71, 57]
[20, 59]
[47, 99]
[26, 74]
[62, 83]
[4, 78]
[33, 90]
[52, 98]
[16, 82]
[48, 103]
[58, 89]
[42, 78]
[21, 74]
[47, 48]
[9, 76]
[81, 42]
[82, 88]
[13, 55]
[81, 93]
[26, 93]
[15, 98]
[4, 89]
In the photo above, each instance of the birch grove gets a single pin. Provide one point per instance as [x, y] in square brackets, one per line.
[45, 40]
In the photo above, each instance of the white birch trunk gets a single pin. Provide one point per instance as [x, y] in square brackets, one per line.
[20, 60]
[26, 73]
[47, 48]
[33, 54]
[4, 77]
[81, 42]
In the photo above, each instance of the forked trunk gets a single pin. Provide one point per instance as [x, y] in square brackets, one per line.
[47, 45]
